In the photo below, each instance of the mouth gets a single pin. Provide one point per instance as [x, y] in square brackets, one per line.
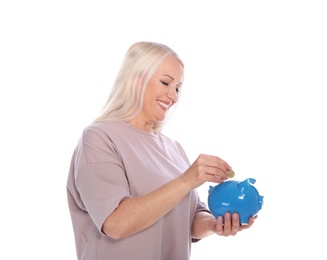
[164, 105]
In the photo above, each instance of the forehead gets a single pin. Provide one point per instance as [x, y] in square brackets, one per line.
[171, 67]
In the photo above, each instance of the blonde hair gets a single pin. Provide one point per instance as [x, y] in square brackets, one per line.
[125, 100]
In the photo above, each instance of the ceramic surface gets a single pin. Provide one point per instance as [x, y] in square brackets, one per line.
[235, 196]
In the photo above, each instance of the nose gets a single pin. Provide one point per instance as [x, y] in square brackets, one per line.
[172, 93]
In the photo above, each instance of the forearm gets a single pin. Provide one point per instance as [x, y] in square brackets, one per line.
[203, 225]
[136, 214]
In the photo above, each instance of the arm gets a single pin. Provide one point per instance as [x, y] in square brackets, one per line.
[135, 214]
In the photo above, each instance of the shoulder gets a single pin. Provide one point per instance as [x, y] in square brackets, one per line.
[107, 133]
[99, 133]
[96, 142]
[102, 128]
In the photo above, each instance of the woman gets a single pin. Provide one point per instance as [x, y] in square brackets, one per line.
[131, 189]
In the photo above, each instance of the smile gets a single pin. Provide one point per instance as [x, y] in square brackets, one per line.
[165, 105]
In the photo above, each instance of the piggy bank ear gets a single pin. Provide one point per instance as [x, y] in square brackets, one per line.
[244, 186]
[210, 188]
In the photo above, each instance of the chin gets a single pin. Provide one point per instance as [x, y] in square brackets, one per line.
[160, 119]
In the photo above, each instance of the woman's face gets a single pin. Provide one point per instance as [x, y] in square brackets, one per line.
[161, 93]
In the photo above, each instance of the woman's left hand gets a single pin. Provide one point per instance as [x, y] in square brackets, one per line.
[230, 224]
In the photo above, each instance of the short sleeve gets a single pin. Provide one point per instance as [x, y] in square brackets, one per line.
[100, 178]
[201, 206]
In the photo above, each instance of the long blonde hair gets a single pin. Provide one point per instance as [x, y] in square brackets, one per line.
[125, 100]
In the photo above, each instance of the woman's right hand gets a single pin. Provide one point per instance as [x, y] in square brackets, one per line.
[206, 168]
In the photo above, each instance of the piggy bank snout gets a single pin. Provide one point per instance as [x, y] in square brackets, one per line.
[234, 196]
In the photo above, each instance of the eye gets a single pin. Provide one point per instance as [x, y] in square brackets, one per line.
[165, 83]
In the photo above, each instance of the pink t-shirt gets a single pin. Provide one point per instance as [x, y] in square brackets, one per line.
[113, 161]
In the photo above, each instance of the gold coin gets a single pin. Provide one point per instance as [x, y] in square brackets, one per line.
[231, 174]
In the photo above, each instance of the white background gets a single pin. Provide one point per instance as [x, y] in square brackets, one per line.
[254, 94]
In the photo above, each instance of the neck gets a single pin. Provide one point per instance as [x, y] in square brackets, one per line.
[142, 125]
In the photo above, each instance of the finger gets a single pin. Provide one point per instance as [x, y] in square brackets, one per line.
[221, 165]
[235, 224]
[251, 220]
[227, 224]
[214, 178]
[250, 223]
[212, 166]
[229, 174]
[216, 162]
[219, 225]
[216, 172]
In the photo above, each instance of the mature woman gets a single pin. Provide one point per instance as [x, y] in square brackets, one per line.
[131, 189]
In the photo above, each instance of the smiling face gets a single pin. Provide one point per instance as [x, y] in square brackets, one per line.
[161, 93]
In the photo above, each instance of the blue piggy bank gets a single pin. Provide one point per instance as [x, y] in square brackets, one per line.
[234, 196]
